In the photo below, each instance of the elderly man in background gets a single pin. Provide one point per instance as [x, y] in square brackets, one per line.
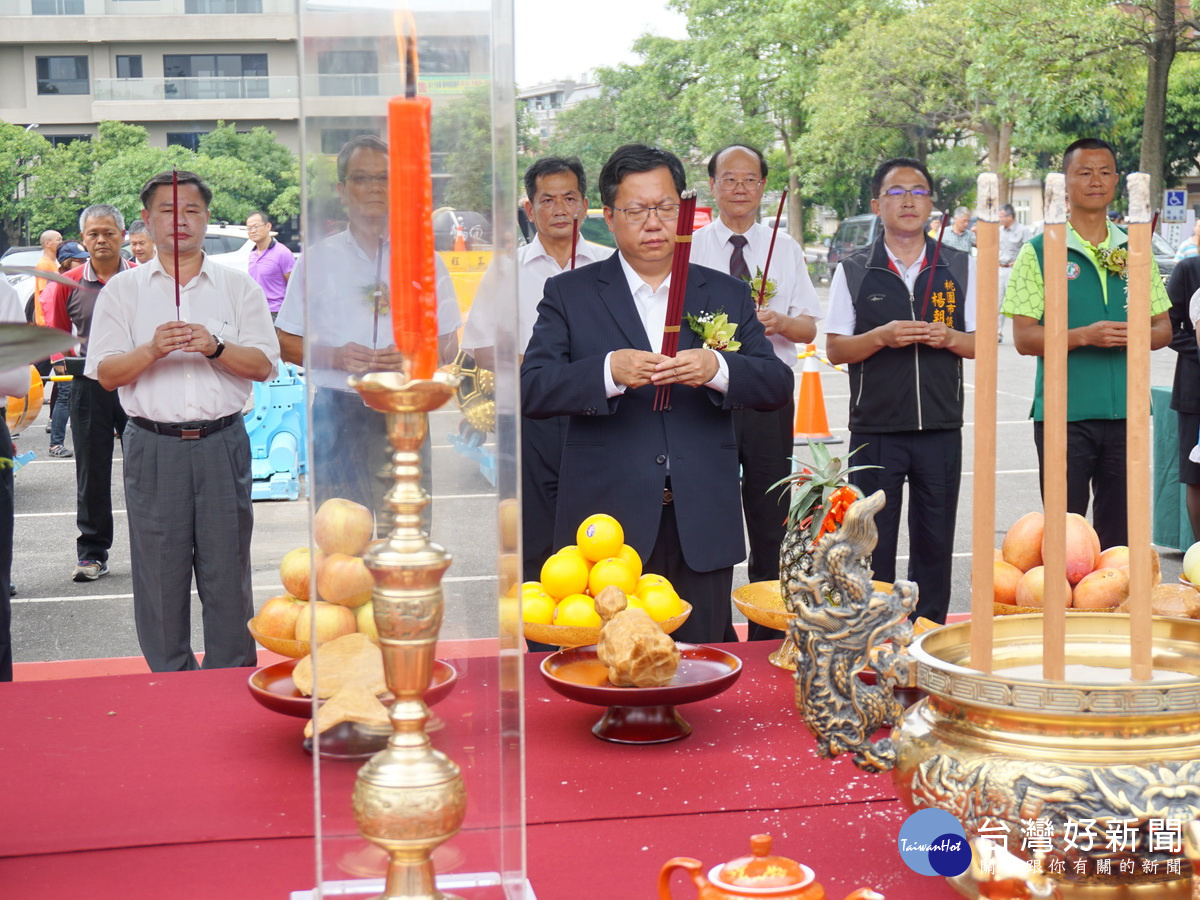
[1013, 236]
[958, 235]
[96, 412]
[140, 243]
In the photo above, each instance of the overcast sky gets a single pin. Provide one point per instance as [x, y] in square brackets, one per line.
[559, 40]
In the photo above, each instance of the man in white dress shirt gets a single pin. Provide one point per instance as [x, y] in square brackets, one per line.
[738, 244]
[348, 328]
[183, 364]
[555, 197]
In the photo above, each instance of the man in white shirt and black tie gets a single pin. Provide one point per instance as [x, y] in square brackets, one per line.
[737, 243]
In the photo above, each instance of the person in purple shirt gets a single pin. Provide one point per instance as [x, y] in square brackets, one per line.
[271, 263]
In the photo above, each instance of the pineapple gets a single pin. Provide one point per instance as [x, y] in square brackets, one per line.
[814, 492]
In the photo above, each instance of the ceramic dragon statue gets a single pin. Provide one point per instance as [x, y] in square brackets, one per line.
[835, 639]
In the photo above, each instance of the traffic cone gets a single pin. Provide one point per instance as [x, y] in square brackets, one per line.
[460, 242]
[811, 421]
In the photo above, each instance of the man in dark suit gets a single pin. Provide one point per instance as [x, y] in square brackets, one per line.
[670, 478]
[1185, 392]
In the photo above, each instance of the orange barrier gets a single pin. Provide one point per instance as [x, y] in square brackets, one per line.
[22, 411]
[811, 422]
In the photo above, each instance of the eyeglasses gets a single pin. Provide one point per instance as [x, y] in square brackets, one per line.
[636, 215]
[918, 193]
[358, 179]
[732, 184]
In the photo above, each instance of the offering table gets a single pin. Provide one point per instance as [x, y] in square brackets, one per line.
[180, 785]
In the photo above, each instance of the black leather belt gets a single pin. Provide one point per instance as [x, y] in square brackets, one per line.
[187, 431]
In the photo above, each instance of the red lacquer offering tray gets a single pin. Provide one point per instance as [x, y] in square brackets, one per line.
[641, 715]
[272, 686]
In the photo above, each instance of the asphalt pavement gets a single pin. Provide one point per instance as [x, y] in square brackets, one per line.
[54, 618]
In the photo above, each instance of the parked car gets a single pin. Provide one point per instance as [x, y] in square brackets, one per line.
[852, 234]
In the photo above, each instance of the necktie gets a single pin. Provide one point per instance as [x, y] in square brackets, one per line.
[737, 262]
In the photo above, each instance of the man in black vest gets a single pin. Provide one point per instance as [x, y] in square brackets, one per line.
[904, 328]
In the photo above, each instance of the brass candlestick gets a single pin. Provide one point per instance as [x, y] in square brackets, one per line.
[409, 798]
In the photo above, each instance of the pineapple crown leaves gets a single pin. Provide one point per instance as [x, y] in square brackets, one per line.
[813, 487]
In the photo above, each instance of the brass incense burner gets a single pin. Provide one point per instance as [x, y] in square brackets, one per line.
[1097, 776]
[409, 798]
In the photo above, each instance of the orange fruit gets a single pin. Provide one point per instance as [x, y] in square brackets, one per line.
[599, 537]
[648, 579]
[532, 587]
[563, 574]
[661, 603]
[633, 601]
[537, 608]
[630, 556]
[615, 571]
[573, 550]
[577, 610]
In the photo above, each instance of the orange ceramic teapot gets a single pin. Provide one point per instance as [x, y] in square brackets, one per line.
[759, 876]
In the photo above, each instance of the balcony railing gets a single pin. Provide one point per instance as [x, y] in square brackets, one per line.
[262, 87]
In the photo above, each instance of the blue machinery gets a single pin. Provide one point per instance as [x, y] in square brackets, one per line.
[278, 435]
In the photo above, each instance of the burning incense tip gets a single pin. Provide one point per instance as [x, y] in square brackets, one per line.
[1056, 198]
[1139, 197]
[987, 190]
[687, 195]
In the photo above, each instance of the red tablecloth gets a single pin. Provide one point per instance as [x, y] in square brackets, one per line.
[128, 783]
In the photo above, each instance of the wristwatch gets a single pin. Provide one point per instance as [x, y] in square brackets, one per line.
[220, 348]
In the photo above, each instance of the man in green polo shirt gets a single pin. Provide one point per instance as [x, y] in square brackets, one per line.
[1096, 336]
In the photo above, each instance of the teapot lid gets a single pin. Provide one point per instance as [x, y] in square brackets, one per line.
[761, 870]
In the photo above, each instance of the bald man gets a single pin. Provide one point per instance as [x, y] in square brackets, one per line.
[48, 262]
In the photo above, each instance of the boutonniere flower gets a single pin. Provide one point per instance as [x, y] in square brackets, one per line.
[756, 285]
[1114, 259]
[377, 297]
[715, 329]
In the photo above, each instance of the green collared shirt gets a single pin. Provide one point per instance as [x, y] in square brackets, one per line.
[1026, 295]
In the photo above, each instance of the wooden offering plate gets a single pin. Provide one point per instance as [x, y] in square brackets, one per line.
[272, 687]
[641, 715]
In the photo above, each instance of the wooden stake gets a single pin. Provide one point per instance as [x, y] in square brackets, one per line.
[1137, 424]
[983, 535]
[1054, 452]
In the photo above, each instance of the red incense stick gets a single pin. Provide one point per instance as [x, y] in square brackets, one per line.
[175, 235]
[933, 268]
[678, 289]
[762, 288]
[574, 238]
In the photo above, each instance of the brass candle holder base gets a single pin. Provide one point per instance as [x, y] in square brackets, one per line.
[409, 798]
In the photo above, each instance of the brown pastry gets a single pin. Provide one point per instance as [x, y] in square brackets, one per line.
[634, 648]
[349, 660]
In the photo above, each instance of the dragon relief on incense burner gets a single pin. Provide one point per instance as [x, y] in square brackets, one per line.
[1089, 812]
[835, 640]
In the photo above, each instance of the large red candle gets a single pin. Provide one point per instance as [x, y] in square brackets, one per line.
[410, 216]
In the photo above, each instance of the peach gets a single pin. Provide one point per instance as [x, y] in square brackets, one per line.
[332, 621]
[1022, 546]
[1102, 589]
[343, 526]
[295, 571]
[278, 617]
[1083, 548]
[1005, 580]
[1113, 558]
[1031, 588]
[345, 580]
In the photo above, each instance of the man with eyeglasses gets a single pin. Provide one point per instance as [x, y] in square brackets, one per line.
[270, 263]
[349, 330]
[904, 327]
[555, 198]
[670, 477]
[737, 243]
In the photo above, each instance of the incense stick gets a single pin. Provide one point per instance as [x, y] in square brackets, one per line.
[677, 291]
[175, 235]
[574, 238]
[378, 294]
[937, 248]
[762, 288]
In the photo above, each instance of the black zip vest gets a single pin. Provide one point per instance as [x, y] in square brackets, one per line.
[913, 388]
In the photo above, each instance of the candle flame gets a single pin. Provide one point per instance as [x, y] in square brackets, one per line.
[405, 27]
